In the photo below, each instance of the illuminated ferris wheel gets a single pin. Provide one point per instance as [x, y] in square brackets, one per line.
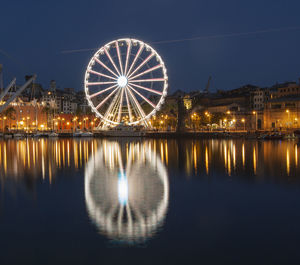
[125, 83]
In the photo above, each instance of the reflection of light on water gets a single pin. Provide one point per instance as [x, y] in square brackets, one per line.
[162, 151]
[229, 163]
[195, 158]
[234, 158]
[5, 159]
[243, 154]
[296, 156]
[126, 199]
[254, 160]
[37, 158]
[123, 189]
[206, 159]
[225, 156]
[287, 162]
[167, 154]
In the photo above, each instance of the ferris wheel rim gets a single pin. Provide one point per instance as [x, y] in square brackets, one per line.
[127, 70]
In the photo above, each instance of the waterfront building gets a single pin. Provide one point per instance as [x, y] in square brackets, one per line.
[288, 89]
[283, 112]
[259, 96]
[27, 116]
[63, 101]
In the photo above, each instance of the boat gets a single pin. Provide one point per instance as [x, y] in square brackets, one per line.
[122, 130]
[77, 134]
[40, 134]
[18, 135]
[290, 136]
[87, 134]
[274, 136]
[53, 134]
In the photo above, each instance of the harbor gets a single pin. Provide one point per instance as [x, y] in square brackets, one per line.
[258, 135]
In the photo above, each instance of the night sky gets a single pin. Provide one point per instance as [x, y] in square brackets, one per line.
[33, 35]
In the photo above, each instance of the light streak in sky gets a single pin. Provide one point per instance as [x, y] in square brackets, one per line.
[218, 36]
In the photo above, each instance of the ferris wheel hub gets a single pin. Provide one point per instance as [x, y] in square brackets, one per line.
[122, 81]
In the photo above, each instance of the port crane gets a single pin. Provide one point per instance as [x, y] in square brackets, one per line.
[15, 94]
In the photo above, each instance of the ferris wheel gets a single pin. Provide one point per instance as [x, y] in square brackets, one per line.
[125, 83]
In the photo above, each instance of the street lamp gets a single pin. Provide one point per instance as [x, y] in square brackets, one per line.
[255, 113]
[3, 123]
[162, 122]
[234, 124]
[243, 121]
[288, 112]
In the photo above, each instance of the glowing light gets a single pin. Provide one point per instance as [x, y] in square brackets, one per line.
[287, 162]
[206, 161]
[123, 189]
[254, 161]
[296, 156]
[243, 154]
[122, 81]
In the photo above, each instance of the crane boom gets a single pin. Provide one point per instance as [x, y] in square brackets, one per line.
[3, 93]
[18, 92]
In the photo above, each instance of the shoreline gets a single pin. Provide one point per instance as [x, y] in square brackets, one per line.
[165, 135]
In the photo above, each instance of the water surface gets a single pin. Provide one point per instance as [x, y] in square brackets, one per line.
[145, 201]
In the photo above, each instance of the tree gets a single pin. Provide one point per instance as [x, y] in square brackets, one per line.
[47, 110]
[9, 113]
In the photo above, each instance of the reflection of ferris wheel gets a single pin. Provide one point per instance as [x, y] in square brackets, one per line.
[127, 202]
[125, 82]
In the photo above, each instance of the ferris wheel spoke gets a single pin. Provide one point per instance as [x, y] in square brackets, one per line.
[104, 100]
[105, 66]
[146, 88]
[111, 60]
[100, 74]
[135, 58]
[147, 71]
[142, 64]
[143, 97]
[99, 83]
[120, 105]
[127, 56]
[138, 106]
[111, 106]
[116, 107]
[102, 91]
[148, 80]
[128, 105]
[119, 56]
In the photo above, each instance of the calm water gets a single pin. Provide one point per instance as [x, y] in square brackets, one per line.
[135, 201]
